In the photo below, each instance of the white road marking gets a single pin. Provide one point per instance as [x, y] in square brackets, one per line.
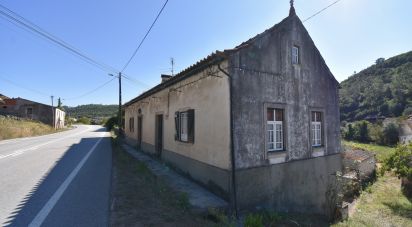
[21, 151]
[44, 212]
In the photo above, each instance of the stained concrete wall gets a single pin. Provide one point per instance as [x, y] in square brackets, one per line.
[208, 158]
[40, 112]
[296, 179]
[296, 186]
[263, 75]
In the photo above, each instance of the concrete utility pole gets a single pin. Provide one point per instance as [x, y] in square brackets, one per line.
[120, 102]
[52, 111]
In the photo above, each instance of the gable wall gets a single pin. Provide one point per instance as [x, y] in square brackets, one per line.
[263, 75]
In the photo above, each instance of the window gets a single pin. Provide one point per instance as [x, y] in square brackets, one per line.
[131, 124]
[316, 127]
[29, 111]
[275, 129]
[185, 126]
[295, 55]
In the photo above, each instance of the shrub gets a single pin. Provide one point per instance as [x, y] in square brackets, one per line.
[111, 123]
[84, 120]
[254, 220]
[400, 162]
[407, 111]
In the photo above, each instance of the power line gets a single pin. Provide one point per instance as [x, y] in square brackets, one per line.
[147, 33]
[25, 24]
[90, 92]
[16, 19]
[321, 11]
[138, 83]
[24, 87]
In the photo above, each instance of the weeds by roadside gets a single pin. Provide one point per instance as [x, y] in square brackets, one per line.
[142, 199]
[12, 128]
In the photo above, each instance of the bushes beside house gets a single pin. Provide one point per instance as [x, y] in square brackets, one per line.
[400, 162]
[365, 132]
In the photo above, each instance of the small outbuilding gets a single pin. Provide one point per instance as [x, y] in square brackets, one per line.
[27, 109]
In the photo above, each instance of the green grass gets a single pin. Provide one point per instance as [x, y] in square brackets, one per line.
[383, 204]
[11, 128]
[382, 152]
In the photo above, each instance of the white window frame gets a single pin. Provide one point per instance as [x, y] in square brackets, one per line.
[184, 123]
[277, 127]
[295, 55]
[316, 129]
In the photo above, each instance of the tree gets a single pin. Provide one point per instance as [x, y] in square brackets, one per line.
[362, 132]
[380, 61]
[401, 163]
[350, 133]
[59, 104]
[391, 134]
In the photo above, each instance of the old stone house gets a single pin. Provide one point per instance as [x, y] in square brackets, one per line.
[24, 108]
[257, 124]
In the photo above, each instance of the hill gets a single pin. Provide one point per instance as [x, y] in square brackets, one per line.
[383, 89]
[92, 110]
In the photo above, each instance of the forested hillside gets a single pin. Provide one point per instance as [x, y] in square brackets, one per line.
[383, 89]
[92, 110]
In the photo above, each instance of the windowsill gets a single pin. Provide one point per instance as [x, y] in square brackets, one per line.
[185, 143]
[276, 157]
[318, 151]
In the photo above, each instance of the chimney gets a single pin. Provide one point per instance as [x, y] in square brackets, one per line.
[165, 77]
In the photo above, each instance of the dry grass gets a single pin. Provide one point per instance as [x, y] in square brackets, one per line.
[142, 199]
[382, 204]
[11, 128]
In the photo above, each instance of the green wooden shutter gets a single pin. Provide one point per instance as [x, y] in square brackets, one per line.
[191, 126]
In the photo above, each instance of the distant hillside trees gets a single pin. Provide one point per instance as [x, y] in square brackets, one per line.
[383, 89]
[92, 111]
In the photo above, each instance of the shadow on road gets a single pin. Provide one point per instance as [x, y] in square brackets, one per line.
[34, 201]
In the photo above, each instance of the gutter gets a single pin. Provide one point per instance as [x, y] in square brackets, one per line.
[232, 149]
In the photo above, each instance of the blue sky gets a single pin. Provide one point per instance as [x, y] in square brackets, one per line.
[350, 35]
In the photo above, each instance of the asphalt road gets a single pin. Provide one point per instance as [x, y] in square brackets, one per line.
[61, 179]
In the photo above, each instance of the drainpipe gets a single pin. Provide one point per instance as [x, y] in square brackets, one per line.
[232, 147]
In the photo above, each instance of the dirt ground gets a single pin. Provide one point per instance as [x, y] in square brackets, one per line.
[139, 198]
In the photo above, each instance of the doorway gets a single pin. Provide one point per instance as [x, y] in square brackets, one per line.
[159, 135]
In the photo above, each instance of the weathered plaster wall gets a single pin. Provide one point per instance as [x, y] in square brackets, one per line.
[263, 75]
[298, 186]
[209, 97]
[40, 112]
